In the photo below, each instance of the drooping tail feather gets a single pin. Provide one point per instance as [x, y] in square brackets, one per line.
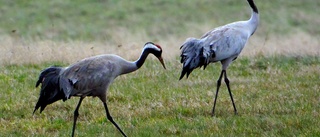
[50, 88]
[194, 54]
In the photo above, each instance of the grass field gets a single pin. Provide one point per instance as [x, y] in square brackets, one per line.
[275, 81]
[275, 96]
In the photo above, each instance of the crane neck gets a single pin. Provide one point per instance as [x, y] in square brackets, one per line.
[253, 21]
[135, 65]
[139, 62]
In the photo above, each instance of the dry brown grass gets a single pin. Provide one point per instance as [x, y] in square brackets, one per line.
[16, 50]
[299, 43]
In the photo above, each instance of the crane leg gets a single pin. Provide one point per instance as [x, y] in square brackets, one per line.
[226, 80]
[218, 86]
[111, 119]
[76, 114]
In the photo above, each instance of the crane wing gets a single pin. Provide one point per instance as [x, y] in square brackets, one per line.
[89, 74]
[226, 42]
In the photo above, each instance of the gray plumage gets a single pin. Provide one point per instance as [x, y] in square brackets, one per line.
[222, 44]
[88, 77]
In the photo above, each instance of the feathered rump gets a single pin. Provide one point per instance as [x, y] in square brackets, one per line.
[50, 88]
[193, 55]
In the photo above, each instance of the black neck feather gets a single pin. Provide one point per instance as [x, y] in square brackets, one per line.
[143, 57]
[253, 6]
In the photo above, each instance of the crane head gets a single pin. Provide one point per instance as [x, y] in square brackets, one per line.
[156, 50]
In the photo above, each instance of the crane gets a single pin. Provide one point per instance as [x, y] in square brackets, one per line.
[88, 77]
[222, 44]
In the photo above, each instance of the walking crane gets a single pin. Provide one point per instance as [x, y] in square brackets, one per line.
[88, 77]
[223, 44]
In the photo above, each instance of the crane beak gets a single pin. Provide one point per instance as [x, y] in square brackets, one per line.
[161, 61]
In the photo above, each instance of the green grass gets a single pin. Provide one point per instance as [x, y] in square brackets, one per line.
[96, 20]
[275, 96]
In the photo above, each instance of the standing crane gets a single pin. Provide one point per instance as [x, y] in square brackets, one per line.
[88, 77]
[222, 44]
